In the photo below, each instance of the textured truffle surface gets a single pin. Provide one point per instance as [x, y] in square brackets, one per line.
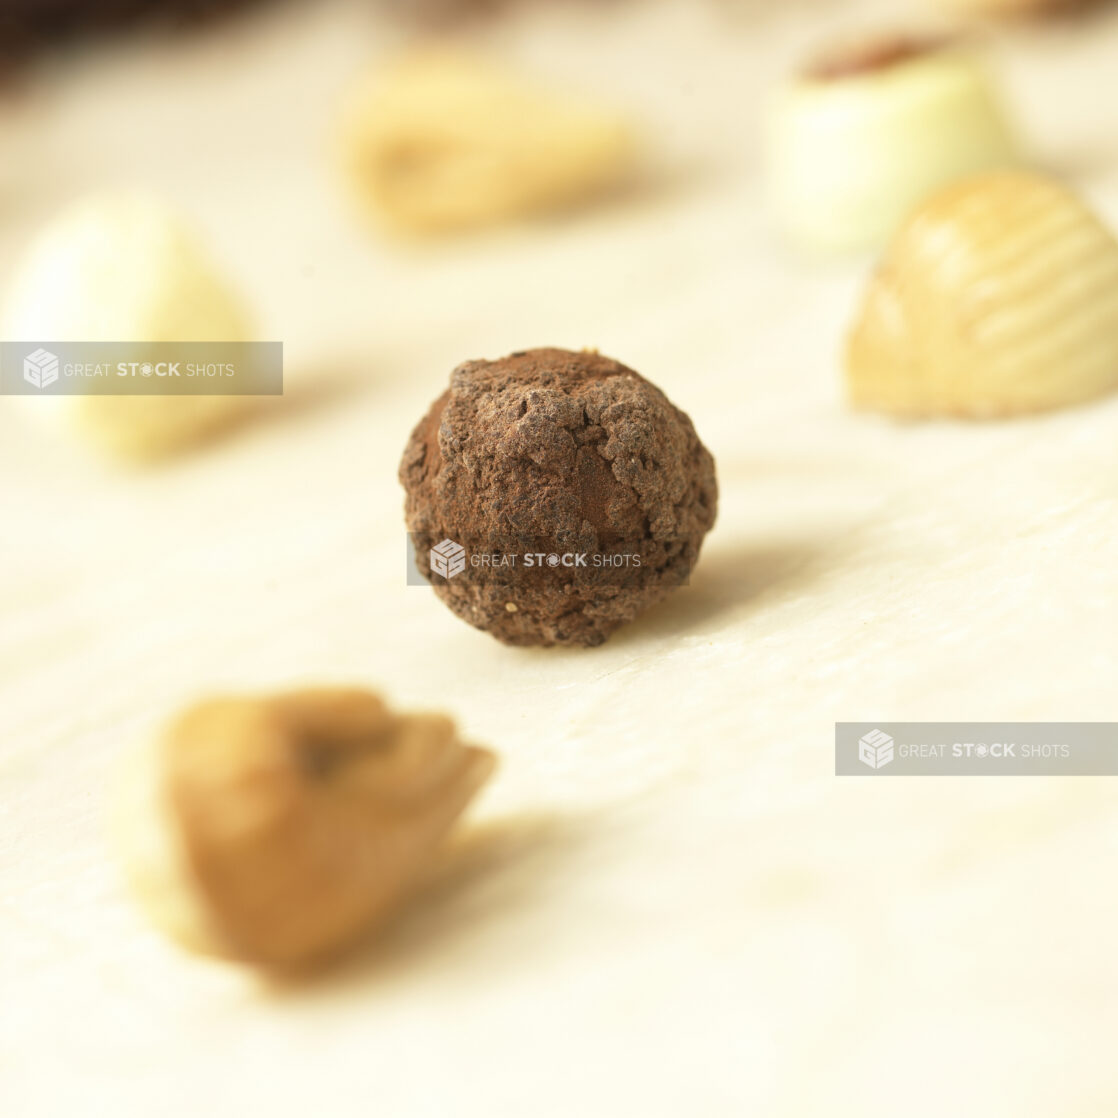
[554, 455]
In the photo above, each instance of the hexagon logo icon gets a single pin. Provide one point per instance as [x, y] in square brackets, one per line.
[448, 559]
[40, 368]
[875, 749]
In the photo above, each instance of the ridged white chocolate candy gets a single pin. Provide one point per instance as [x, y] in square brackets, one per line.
[1000, 296]
[852, 149]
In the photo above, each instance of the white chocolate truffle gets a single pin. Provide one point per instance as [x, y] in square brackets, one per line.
[125, 268]
[442, 141]
[999, 297]
[864, 137]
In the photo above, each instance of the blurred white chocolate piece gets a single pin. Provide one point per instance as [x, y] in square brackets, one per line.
[999, 297]
[862, 138]
[441, 141]
[125, 268]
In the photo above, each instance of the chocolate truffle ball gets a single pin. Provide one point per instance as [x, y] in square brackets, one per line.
[579, 493]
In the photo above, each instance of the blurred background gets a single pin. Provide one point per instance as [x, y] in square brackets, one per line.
[672, 905]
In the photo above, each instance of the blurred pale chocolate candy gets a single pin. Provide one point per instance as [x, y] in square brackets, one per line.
[869, 131]
[442, 141]
[125, 267]
[999, 297]
[278, 830]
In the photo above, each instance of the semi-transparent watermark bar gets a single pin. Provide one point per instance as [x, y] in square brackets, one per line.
[976, 748]
[449, 561]
[141, 368]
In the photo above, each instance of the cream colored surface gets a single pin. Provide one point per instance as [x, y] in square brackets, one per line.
[670, 905]
[149, 849]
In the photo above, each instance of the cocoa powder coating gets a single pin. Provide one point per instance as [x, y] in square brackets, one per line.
[556, 455]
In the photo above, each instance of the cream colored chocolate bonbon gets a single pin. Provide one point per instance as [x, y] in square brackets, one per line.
[442, 141]
[125, 268]
[867, 133]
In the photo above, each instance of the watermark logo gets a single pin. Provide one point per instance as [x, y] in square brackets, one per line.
[40, 368]
[976, 749]
[139, 368]
[448, 559]
[875, 749]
